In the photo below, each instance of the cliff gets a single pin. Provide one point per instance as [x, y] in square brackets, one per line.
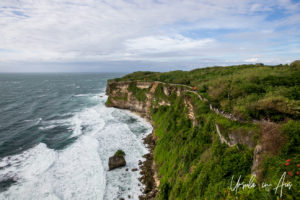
[138, 96]
[199, 147]
[121, 96]
[142, 97]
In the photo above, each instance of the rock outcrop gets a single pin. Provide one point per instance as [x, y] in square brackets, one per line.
[116, 161]
[271, 141]
[121, 97]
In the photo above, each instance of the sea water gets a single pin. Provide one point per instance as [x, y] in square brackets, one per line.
[56, 136]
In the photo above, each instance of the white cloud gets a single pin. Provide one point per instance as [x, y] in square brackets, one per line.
[252, 60]
[158, 44]
[93, 30]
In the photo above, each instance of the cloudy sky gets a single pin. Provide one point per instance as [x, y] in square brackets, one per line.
[159, 35]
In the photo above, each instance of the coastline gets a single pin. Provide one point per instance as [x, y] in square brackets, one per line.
[148, 168]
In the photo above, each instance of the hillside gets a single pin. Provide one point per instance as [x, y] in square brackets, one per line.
[219, 123]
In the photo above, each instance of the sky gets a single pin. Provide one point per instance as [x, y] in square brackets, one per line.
[155, 35]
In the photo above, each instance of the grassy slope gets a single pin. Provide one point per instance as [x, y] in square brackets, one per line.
[192, 162]
[248, 91]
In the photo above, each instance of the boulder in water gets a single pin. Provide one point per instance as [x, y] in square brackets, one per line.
[117, 160]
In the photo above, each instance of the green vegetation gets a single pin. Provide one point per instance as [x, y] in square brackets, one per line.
[120, 153]
[140, 94]
[192, 162]
[274, 165]
[247, 91]
[108, 102]
[120, 96]
[296, 64]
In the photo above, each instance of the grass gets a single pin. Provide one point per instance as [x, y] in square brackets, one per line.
[120, 152]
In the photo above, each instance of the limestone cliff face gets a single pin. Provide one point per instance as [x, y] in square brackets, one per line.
[140, 97]
[121, 96]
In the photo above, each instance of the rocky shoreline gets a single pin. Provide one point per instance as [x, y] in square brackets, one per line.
[148, 170]
[129, 102]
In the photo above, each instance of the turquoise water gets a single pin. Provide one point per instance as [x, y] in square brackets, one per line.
[56, 136]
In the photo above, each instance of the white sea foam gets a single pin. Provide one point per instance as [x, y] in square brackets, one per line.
[47, 127]
[81, 95]
[36, 121]
[75, 173]
[81, 170]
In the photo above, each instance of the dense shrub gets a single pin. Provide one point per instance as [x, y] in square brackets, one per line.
[120, 152]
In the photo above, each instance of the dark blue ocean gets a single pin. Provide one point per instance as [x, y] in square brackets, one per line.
[56, 136]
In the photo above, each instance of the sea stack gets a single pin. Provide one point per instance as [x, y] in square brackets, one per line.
[117, 160]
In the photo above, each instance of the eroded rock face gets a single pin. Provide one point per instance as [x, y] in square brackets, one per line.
[257, 159]
[121, 97]
[116, 161]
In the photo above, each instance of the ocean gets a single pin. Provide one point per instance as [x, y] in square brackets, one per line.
[56, 137]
